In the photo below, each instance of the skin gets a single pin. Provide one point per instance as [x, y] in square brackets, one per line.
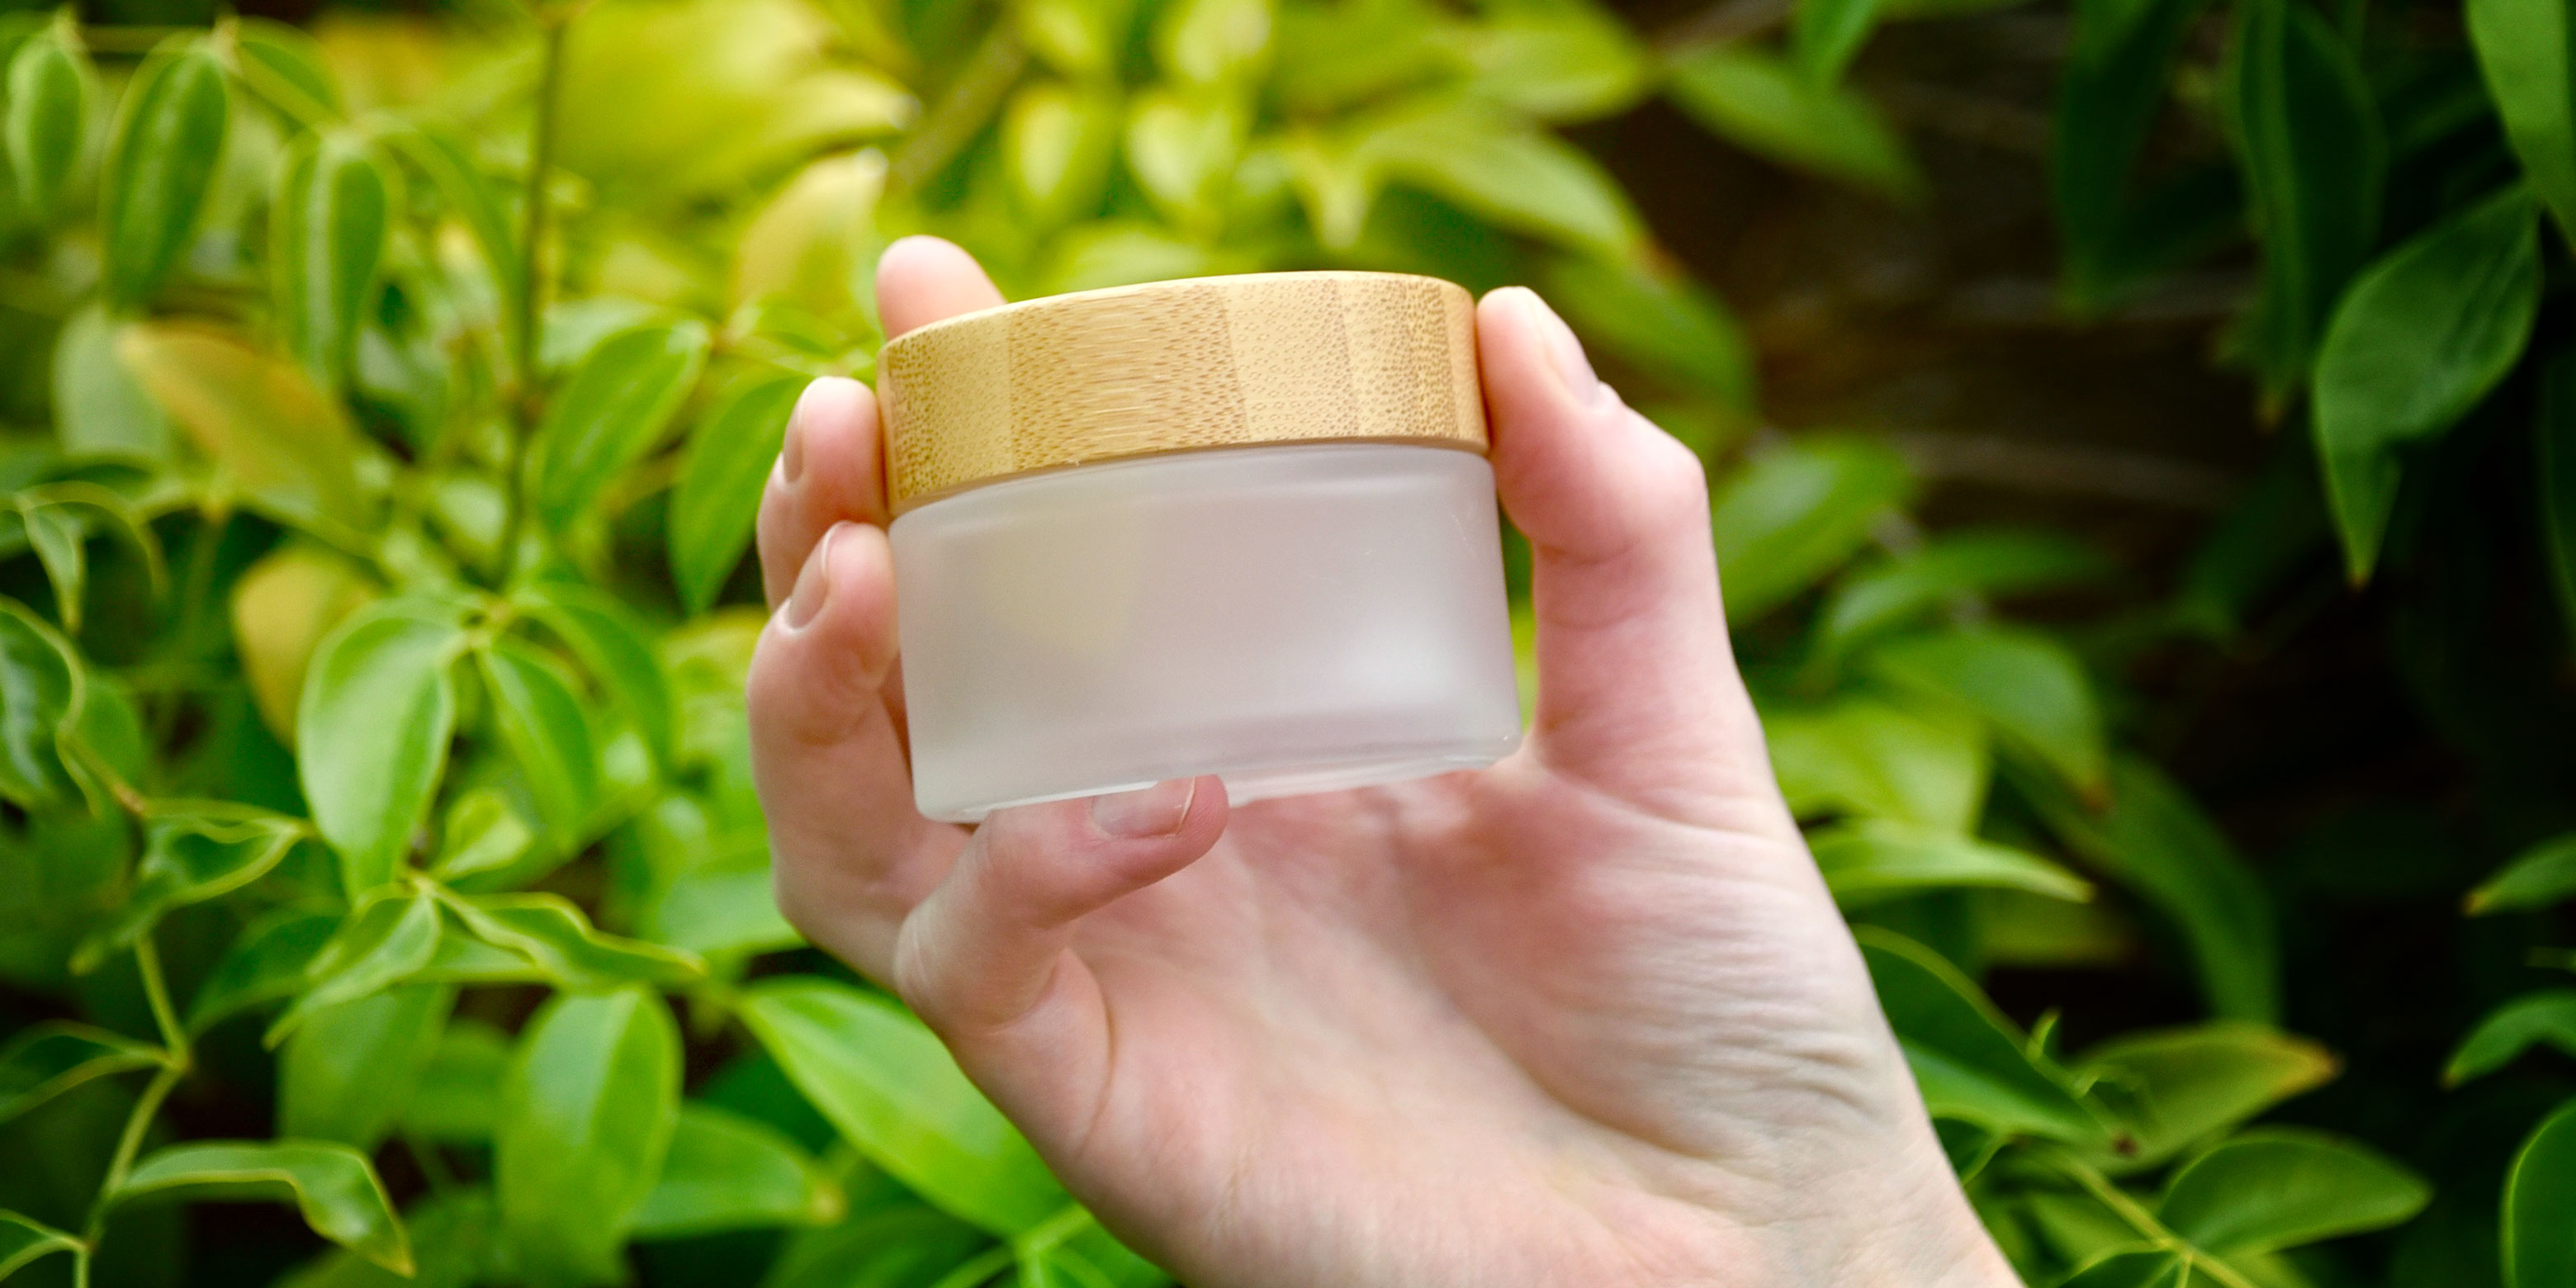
[1585, 1017]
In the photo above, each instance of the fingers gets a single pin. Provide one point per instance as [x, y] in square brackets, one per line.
[853, 855]
[984, 959]
[829, 469]
[921, 280]
[1638, 691]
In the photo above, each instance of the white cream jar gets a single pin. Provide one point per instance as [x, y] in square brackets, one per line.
[1240, 526]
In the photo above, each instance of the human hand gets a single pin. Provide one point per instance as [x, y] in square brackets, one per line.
[1585, 1017]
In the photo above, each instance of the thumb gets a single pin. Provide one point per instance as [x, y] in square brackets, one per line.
[985, 962]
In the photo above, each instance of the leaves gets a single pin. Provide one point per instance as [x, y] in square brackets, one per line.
[191, 853]
[587, 1112]
[161, 161]
[728, 1172]
[273, 435]
[43, 1061]
[24, 1240]
[379, 706]
[350, 1068]
[332, 1185]
[2177, 1087]
[610, 413]
[43, 691]
[895, 1092]
[100, 408]
[2533, 1019]
[2282, 1187]
[1875, 758]
[541, 721]
[1795, 514]
[1058, 143]
[2539, 1192]
[1824, 34]
[2309, 144]
[615, 646]
[281, 610]
[386, 939]
[2117, 73]
[1967, 1058]
[1864, 862]
[718, 498]
[2527, 52]
[1758, 101]
[1659, 321]
[326, 239]
[2422, 336]
[1949, 569]
[50, 86]
[266, 963]
[550, 932]
[2536, 878]
[1500, 170]
[2026, 686]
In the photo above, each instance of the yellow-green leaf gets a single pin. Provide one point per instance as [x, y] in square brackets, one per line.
[1757, 100]
[378, 708]
[728, 1172]
[2527, 50]
[2539, 1192]
[161, 161]
[588, 1107]
[326, 239]
[2546, 1018]
[718, 497]
[275, 437]
[24, 1239]
[45, 1060]
[611, 412]
[1873, 860]
[100, 408]
[50, 87]
[350, 1068]
[1057, 144]
[334, 1186]
[2538, 877]
[281, 610]
[2281, 1187]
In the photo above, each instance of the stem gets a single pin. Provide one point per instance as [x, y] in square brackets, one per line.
[557, 21]
[136, 1123]
[174, 1039]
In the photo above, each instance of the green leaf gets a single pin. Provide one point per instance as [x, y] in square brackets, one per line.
[459, 1094]
[332, 1185]
[903, 1246]
[551, 932]
[2420, 338]
[2136, 1268]
[1502, 170]
[718, 498]
[2156, 842]
[275, 437]
[2027, 686]
[615, 646]
[720, 912]
[161, 162]
[2177, 1087]
[1948, 569]
[470, 195]
[1182, 150]
[1793, 515]
[41, 694]
[2539, 1192]
[50, 86]
[379, 707]
[326, 240]
[350, 1068]
[587, 1112]
[1970, 1061]
[266, 963]
[191, 853]
[1757, 101]
[611, 412]
[885, 1081]
[542, 723]
[285, 67]
[1558, 62]
[453, 1233]
[2280, 1187]
[1058, 143]
[2119, 71]
[100, 408]
[43, 1061]
[1080, 38]
[1866, 756]
[1205, 42]
[2557, 433]
[2533, 1019]
[57, 539]
[387, 938]
[25, 1239]
[2538, 877]
[2527, 51]
[1657, 320]
[728, 1172]
[482, 832]
[1874, 860]
[1824, 34]
[2309, 143]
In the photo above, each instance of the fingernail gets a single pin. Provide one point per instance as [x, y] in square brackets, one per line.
[1572, 366]
[1147, 811]
[814, 585]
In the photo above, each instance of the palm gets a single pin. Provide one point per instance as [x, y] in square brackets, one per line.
[1587, 1015]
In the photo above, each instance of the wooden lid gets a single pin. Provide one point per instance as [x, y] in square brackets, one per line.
[1177, 366]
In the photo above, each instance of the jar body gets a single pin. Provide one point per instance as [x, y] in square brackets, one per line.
[1294, 618]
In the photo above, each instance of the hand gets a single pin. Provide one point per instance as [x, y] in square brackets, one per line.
[1585, 1017]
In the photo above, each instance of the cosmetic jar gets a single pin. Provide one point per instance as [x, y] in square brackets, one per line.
[1240, 526]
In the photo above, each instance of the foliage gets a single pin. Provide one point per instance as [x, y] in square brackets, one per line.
[445, 360]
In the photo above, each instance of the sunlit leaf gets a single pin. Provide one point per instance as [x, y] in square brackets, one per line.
[161, 161]
[1499, 169]
[332, 1185]
[614, 646]
[890, 1087]
[1871, 757]
[282, 607]
[1205, 42]
[728, 1172]
[2536, 878]
[1868, 861]
[50, 88]
[469, 193]
[192, 852]
[551, 932]
[43, 1061]
[385, 940]
[611, 412]
[2539, 1192]
[326, 239]
[350, 1068]
[274, 436]
[587, 1111]
[540, 716]
[1081, 38]
[1558, 62]
[1057, 144]
[285, 67]
[482, 832]
[1946, 569]
[1792, 515]
[1182, 150]
[2281, 1187]
[1757, 100]
[100, 408]
[1657, 320]
[2527, 50]
[2420, 338]
[720, 912]
[378, 709]
[2026, 686]
[812, 246]
[1970, 1061]
[459, 1094]
[730, 453]
[2177, 1087]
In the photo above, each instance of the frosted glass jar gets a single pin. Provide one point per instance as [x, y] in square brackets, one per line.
[1236, 526]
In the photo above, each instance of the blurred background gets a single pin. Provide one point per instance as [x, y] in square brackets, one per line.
[2143, 469]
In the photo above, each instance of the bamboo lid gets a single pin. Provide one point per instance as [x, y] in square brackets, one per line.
[1178, 366]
